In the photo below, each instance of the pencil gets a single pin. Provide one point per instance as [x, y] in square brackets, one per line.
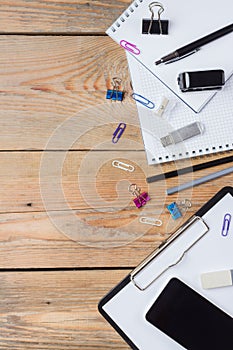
[200, 181]
[190, 169]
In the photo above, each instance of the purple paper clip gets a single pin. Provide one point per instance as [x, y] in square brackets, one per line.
[130, 47]
[141, 198]
[226, 224]
[143, 100]
[118, 132]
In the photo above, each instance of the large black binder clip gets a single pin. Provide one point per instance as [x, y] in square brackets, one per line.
[152, 26]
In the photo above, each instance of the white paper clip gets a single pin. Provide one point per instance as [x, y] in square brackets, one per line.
[123, 166]
[150, 221]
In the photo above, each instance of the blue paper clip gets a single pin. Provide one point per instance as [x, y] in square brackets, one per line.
[174, 210]
[226, 224]
[143, 100]
[118, 132]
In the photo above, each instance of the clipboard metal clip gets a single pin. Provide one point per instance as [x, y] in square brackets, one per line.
[164, 245]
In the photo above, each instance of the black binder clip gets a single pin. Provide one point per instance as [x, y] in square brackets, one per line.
[151, 26]
[115, 94]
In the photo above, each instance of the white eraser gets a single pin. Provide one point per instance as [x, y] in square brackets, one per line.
[216, 279]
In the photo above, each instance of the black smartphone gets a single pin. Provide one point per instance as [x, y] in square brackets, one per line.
[201, 80]
[190, 319]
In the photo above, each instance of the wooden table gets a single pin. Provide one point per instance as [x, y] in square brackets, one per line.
[55, 62]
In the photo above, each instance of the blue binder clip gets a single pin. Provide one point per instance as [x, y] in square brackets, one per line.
[114, 94]
[118, 132]
[174, 210]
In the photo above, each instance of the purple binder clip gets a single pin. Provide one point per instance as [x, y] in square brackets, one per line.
[141, 198]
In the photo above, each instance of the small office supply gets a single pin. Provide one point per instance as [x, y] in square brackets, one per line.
[182, 134]
[118, 132]
[187, 24]
[190, 319]
[217, 279]
[191, 169]
[174, 210]
[201, 80]
[192, 249]
[226, 225]
[162, 107]
[121, 165]
[200, 181]
[143, 100]
[150, 221]
[151, 26]
[185, 204]
[141, 198]
[115, 94]
[130, 47]
[195, 46]
[216, 117]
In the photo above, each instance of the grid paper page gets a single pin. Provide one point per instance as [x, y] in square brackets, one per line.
[187, 23]
[216, 117]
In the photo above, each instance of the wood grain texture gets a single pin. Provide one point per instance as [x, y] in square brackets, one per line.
[57, 16]
[47, 80]
[101, 226]
[30, 240]
[86, 180]
[56, 310]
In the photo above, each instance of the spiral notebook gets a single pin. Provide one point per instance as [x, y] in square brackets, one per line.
[216, 119]
[187, 23]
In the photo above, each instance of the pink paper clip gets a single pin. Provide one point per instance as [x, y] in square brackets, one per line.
[130, 47]
[141, 198]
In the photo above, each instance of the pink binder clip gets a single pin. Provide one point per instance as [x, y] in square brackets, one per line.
[141, 198]
[130, 47]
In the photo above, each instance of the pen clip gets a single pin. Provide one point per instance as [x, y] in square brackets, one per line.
[180, 58]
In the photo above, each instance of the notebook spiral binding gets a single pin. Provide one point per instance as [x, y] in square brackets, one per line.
[127, 13]
[209, 150]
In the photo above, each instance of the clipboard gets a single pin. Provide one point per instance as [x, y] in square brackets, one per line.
[184, 256]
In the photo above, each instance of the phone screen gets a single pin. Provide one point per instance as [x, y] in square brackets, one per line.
[190, 319]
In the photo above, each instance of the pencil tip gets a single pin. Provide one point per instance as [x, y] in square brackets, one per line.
[158, 62]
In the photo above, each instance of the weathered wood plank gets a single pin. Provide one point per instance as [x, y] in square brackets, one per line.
[99, 219]
[81, 180]
[57, 16]
[56, 310]
[30, 240]
[47, 80]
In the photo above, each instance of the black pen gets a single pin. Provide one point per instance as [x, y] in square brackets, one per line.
[194, 46]
[190, 169]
